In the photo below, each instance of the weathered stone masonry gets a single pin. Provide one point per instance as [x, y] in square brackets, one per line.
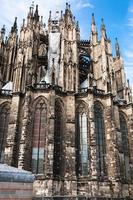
[66, 109]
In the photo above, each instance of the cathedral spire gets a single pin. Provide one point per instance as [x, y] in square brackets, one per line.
[36, 15]
[14, 27]
[103, 29]
[67, 6]
[61, 14]
[94, 34]
[23, 22]
[68, 9]
[77, 27]
[30, 14]
[49, 16]
[93, 19]
[117, 48]
[2, 33]
[93, 24]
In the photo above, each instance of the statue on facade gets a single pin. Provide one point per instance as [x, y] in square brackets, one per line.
[42, 50]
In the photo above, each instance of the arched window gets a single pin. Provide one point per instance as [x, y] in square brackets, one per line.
[100, 139]
[124, 149]
[82, 141]
[39, 135]
[4, 120]
[58, 169]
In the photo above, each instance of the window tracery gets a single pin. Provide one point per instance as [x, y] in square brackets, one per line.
[100, 139]
[124, 149]
[82, 141]
[58, 140]
[39, 135]
[4, 120]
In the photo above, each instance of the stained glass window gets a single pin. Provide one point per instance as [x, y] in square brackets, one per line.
[100, 139]
[4, 120]
[124, 149]
[39, 135]
[82, 141]
[58, 139]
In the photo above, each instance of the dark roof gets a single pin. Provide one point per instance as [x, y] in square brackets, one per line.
[12, 174]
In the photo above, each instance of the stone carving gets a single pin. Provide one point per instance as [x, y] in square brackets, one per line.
[20, 56]
[42, 50]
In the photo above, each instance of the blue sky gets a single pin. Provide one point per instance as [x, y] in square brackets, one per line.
[117, 14]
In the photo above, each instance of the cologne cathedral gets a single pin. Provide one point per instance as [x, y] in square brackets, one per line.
[66, 111]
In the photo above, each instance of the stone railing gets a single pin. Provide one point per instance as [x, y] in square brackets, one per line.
[98, 91]
[83, 90]
[93, 90]
[47, 86]
[5, 92]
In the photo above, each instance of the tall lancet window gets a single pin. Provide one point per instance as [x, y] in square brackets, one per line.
[59, 129]
[100, 139]
[82, 140]
[124, 149]
[39, 136]
[4, 120]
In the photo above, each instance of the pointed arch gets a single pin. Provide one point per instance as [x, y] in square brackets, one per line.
[59, 131]
[39, 135]
[4, 121]
[100, 138]
[124, 148]
[82, 157]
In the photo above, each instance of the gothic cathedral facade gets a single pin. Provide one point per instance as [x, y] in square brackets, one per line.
[66, 110]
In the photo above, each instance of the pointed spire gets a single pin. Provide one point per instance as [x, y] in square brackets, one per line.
[93, 24]
[102, 24]
[117, 48]
[32, 5]
[67, 6]
[30, 16]
[36, 16]
[3, 30]
[77, 26]
[49, 16]
[15, 23]
[14, 27]
[61, 14]
[41, 19]
[2, 33]
[31, 10]
[68, 9]
[93, 19]
[103, 29]
[23, 22]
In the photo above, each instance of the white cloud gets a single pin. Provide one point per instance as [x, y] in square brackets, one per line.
[14, 8]
[81, 5]
[128, 63]
[130, 22]
[128, 49]
[130, 9]
[129, 53]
